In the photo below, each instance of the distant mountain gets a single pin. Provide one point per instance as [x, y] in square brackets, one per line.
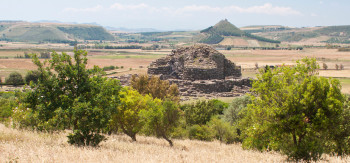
[51, 31]
[226, 33]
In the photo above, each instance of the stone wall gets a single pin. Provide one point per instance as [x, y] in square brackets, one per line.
[202, 74]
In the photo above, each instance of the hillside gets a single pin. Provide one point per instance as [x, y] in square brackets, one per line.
[311, 35]
[225, 30]
[51, 32]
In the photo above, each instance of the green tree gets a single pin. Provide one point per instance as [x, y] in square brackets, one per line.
[162, 119]
[201, 112]
[15, 78]
[7, 103]
[293, 111]
[70, 96]
[32, 76]
[223, 131]
[132, 103]
[231, 114]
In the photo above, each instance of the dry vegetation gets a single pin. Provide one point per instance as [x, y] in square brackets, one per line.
[27, 146]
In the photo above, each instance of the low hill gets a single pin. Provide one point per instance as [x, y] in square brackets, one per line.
[51, 32]
[224, 29]
[311, 35]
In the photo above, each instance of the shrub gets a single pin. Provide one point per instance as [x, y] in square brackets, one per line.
[45, 55]
[131, 105]
[32, 76]
[223, 131]
[201, 112]
[155, 87]
[341, 66]
[324, 65]
[15, 78]
[7, 103]
[336, 66]
[201, 132]
[231, 114]
[108, 68]
[162, 120]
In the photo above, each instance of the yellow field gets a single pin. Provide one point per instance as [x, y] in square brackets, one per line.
[27, 146]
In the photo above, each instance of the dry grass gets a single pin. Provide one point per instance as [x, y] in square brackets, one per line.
[27, 146]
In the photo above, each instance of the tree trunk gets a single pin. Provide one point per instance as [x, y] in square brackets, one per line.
[131, 134]
[133, 137]
[167, 139]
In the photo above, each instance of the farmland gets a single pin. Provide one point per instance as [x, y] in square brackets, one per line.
[138, 59]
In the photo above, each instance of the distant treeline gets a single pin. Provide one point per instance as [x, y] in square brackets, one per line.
[262, 38]
[109, 47]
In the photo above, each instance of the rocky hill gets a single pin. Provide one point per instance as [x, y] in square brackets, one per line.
[225, 30]
[51, 32]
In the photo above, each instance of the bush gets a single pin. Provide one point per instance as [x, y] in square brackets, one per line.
[131, 105]
[223, 131]
[108, 68]
[7, 103]
[15, 78]
[32, 76]
[201, 112]
[324, 65]
[231, 114]
[162, 120]
[45, 55]
[201, 132]
[155, 87]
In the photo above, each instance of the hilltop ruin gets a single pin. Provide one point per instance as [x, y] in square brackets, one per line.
[199, 71]
[198, 62]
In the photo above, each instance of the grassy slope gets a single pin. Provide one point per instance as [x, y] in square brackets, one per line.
[35, 32]
[27, 146]
[337, 34]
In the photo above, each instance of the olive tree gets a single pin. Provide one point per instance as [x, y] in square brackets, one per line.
[293, 111]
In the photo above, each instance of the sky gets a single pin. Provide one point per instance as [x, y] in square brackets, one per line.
[180, 14]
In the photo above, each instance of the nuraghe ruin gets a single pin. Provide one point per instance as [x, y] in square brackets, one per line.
[199, 71]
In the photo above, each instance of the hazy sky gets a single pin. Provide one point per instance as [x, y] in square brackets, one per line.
[180, 14]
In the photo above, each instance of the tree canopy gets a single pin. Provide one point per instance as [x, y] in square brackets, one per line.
[293, 111]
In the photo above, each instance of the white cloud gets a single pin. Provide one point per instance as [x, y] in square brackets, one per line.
[313, 15]
[119, 6]
[93, 9]
[267, 8]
